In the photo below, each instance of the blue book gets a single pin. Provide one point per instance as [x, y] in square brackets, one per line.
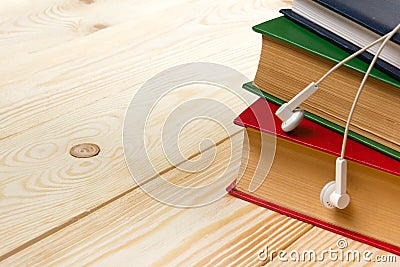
[379, 16]
[340, 42]
[352, 24]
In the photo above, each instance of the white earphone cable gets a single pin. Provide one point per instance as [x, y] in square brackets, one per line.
[387, 38]
[354, 55]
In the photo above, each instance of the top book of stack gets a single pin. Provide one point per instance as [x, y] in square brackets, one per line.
[352, 24]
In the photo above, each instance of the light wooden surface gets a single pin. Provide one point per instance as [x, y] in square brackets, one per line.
[68, 71]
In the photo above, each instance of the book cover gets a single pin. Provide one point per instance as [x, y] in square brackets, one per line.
[377, 16]
[325, 123]
[289, 32]
[318, 138]
[340, 42]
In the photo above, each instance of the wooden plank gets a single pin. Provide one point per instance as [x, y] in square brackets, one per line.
[319, 240]
[59, 101]
[57, 81]
[43, 186]
[27, 27]
[78, 92]
[136, 228]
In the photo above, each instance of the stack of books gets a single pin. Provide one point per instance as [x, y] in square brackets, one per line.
[299, 48]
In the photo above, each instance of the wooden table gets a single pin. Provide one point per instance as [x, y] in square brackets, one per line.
[69, 69]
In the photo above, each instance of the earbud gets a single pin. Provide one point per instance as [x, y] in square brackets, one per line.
[334, 193]
[293, 121]
[289, 113]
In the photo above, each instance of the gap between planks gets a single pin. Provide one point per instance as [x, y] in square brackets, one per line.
[101, 205]
[235, 231]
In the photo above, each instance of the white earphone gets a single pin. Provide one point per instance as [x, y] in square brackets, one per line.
[289, 113]
[334, 193]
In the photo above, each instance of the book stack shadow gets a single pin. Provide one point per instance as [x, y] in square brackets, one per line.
[298, 49]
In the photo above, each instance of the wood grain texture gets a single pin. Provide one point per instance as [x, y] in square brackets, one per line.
[43, 186]
[137, 229]
[68, 72]
[27, 28]
[78, 73]
[318, 240]
[64, 82]
[77, 91]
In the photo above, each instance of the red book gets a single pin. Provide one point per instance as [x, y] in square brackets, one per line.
[292, 188]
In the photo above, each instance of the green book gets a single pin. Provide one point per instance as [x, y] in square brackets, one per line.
[289, 32]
